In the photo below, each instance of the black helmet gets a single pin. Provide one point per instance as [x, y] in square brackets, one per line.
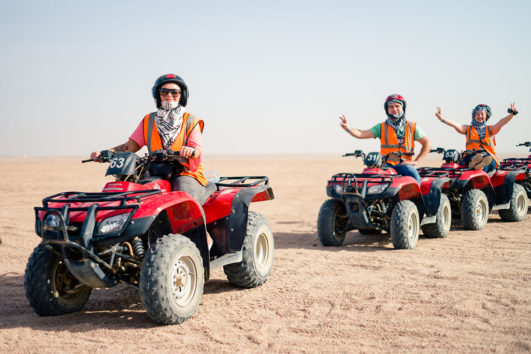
[164, 79]
[482, 107]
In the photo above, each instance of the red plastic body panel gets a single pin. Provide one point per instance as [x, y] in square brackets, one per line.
[453, 165]
[379, 171]
[219, 204]
[114, 187]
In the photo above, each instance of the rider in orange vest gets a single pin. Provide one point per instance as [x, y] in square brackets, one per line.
[480, 136]
[396, 134]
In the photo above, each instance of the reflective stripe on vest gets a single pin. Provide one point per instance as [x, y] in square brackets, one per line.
[389, 141]
[473, 142]
[154, 142]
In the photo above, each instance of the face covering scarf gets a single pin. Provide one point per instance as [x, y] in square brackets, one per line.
[169, 122]
[480, 127]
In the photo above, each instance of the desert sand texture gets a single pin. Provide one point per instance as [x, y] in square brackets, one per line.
[468, 292]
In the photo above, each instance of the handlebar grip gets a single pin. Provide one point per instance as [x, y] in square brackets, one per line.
[89, 160]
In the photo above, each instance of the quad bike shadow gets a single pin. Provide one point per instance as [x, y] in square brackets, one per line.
[139, 232]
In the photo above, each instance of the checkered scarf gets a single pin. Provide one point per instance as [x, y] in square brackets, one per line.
[397, 124]
[169, 122]
[480, 127]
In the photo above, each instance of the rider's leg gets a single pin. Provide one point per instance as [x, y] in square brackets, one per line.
[196, 190]
[407, 170]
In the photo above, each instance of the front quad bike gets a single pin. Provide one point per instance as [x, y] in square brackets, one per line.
[473, 194]
[379, 199]
[137, 231]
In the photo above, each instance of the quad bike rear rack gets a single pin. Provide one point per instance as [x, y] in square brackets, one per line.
[349, 181]
[439, 172]
[241, 181]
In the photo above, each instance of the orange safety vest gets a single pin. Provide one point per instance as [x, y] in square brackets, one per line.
[473, 142]
[389, 142]
[154, 142]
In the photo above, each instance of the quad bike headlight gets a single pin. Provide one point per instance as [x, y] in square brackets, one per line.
[338, 188]
[52, 220]
[376, 189]
[112, 224]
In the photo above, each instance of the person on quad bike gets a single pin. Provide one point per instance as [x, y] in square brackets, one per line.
[480, 136]
[396, 135]
[176, 130]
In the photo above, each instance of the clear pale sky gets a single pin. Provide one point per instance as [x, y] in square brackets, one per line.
[268, 77]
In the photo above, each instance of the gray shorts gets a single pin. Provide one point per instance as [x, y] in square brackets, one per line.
[191, 186]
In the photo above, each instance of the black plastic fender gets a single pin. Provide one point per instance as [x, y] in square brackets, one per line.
[230, 231]
[504, 192]
[432, 200]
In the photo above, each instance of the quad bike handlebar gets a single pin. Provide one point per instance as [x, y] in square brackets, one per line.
[526, 144]
[162, 155]
[375, 159]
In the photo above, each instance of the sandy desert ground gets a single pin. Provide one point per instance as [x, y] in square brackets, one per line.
[469, 292]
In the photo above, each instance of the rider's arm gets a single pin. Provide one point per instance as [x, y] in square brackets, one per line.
[195, 140]
[497, 127]
[357, 133]
[461, 129]
[426, 146]
[130, 146]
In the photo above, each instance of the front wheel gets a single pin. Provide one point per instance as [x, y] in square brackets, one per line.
[332, 222]
[475, 210]
[172, 279]
[257, 255]
[518, 206]
[405, 225]
[441, 227]
[50, 288]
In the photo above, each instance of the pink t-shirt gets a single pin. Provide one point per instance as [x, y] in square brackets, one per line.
[194, 140]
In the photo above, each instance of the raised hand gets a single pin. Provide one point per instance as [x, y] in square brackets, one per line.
[438, 114]
[343, 122]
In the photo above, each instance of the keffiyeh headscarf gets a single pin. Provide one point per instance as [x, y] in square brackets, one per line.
[397, 122]
[169, 122]
[479, 126]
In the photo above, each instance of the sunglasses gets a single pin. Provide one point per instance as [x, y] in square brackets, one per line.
[166, 92]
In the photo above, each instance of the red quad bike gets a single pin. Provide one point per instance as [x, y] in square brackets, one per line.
[379, 199]
[473, 194]
[137, 231]
[520, 164]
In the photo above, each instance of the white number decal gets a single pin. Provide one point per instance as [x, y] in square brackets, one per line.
[371, 157]
[118, 162]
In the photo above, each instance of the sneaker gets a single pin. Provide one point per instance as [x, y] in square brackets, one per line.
[476, 159]
[484, 162]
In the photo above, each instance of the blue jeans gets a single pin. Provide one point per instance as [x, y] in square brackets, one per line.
[487, 169]
[406, 170]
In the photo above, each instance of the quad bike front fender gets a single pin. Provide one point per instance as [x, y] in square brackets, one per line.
[432, 190]
[503, 182]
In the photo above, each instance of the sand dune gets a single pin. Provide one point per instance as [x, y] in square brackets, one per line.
[469, 292]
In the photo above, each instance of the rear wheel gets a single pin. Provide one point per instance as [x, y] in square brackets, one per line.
[441, 227]
[474, 210]
[257, 255]
[50, 288]
[332, 222]
[172, 279]
[518, 206]
[405, 225]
